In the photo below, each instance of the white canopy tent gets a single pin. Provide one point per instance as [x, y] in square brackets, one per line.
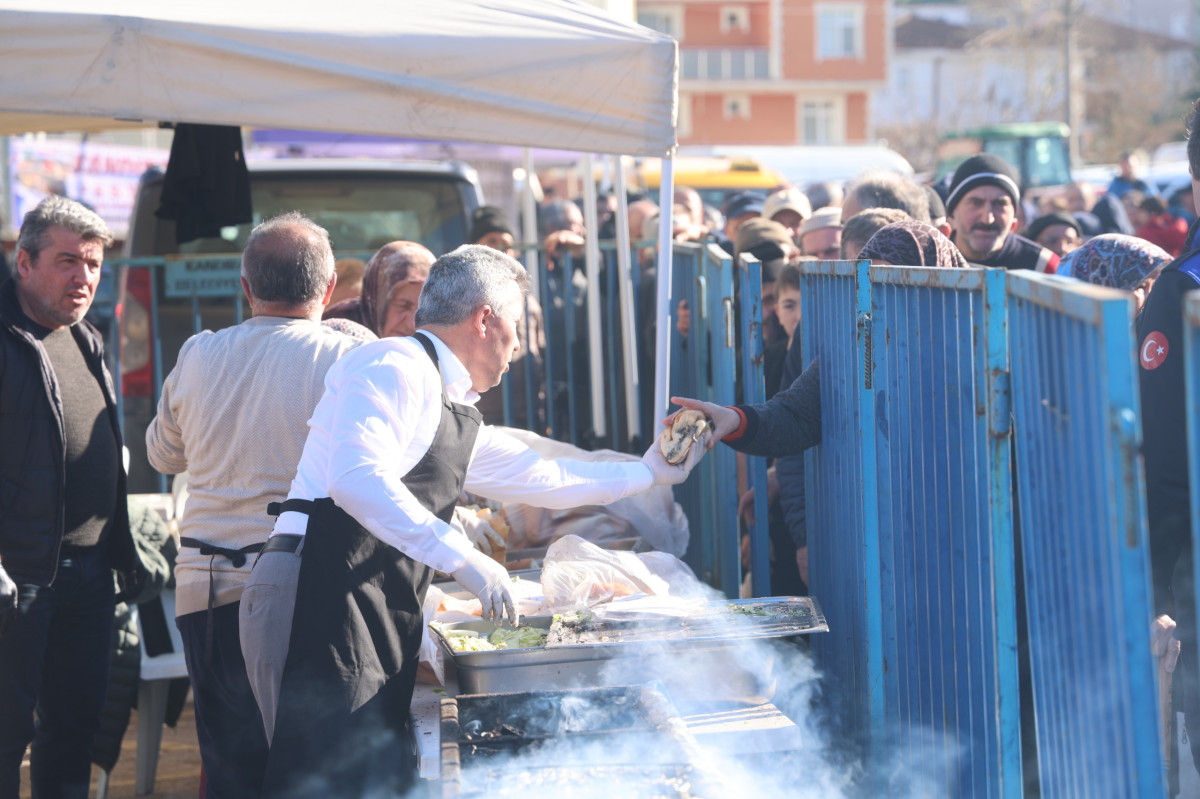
[538, 73]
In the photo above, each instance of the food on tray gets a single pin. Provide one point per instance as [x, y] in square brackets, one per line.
[501, 638]
[677, 439]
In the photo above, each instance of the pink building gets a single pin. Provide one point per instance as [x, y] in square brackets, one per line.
[775, 72]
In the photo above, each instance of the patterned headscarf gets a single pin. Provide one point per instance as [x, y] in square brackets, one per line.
[395, 263]
[348, 327]
[912, 243]
[1114, 260]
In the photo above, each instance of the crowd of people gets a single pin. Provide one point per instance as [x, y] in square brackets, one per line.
[328, 438]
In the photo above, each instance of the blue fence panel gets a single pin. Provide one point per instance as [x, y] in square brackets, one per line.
[1084, 542]
[749, 280]
[843, 539]
[947, 608]
[724, 311]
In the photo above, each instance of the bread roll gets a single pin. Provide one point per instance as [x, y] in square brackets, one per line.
[677, 439]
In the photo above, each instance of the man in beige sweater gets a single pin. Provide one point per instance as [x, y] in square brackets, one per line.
[234, 414]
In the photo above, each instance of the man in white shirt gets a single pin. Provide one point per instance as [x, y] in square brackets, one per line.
[234, 415]
[391, 444]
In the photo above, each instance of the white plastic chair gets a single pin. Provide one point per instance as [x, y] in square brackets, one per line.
[156, 675]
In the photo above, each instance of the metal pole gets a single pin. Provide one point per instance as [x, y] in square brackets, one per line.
[592, 264]
[662, 344]
[628, 319]
[529, 227]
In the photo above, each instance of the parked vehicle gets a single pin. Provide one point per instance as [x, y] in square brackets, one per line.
[363, 205]
[715, 178]
[1040, 151]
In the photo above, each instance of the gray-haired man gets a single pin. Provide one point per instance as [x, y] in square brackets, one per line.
[234, 415]
[390, 446]
[64, 522]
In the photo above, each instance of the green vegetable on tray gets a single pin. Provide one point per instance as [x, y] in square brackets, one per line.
[500, 638]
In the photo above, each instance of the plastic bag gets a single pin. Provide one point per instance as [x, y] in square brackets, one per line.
[578, 574]
[653, 514]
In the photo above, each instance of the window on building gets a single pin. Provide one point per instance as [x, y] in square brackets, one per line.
[818, 121]
[683, 125]
[839, 30]
[737, 106]
[735, 19]
[663, 20]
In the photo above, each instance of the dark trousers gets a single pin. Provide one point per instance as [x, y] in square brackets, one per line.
[54, 658]
[233, 745]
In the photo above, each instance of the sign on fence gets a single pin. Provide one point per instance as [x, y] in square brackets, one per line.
[203, 277]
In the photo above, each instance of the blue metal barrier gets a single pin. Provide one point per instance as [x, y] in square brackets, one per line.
[1084, 542]
[910, 535]
[724, 308]
[945, 529]
[843, 541]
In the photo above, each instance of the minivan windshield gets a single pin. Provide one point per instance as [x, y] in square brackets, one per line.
[361, 213]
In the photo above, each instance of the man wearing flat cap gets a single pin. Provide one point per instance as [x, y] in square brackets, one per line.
[739, 209]
[821, 234]
[982, 210]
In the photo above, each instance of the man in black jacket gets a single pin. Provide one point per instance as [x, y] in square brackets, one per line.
[64, 524]
[1160, 335]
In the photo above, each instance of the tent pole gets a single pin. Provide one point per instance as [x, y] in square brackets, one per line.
[662, 317]
[529, 227]
[633, 411]
[595, 352]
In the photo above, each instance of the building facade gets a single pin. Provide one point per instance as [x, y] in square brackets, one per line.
[775, 72]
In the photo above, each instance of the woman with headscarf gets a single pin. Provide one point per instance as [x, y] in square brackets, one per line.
[912, 243]
[391, 286]
[790, 422]
[1119, 262]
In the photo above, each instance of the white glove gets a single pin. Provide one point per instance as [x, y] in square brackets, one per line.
[8, 599]
[489, 581]
[667, 475]
[480, 533]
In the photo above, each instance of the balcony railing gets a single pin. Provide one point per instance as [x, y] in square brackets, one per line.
[744, 63]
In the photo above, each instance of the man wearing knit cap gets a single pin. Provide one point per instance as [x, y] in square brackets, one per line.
[982, 210]
[491, 228]
[1058, 232]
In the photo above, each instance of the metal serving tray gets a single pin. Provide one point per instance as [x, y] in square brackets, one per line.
[715, 664]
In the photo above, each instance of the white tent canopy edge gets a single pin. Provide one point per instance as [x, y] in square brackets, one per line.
[539, 73]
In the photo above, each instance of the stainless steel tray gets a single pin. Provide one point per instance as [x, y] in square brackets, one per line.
[707, 666]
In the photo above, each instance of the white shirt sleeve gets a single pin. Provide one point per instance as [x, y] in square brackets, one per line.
[371, 428]
[505, 469]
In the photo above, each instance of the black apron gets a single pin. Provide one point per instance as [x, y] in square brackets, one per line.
[342, 723]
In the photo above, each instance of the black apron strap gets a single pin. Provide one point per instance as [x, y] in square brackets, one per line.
[238, 558]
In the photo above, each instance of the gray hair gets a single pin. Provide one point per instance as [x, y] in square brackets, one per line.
[823, 194]
[859, 228]
[557, 214]
[288, 259]
[881, 189]
[55, 211]
[461, 281]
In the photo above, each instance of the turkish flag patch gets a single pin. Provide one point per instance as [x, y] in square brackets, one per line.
[1154, 350]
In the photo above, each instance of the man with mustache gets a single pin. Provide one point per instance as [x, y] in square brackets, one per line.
[64, 521]
[982, 211]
